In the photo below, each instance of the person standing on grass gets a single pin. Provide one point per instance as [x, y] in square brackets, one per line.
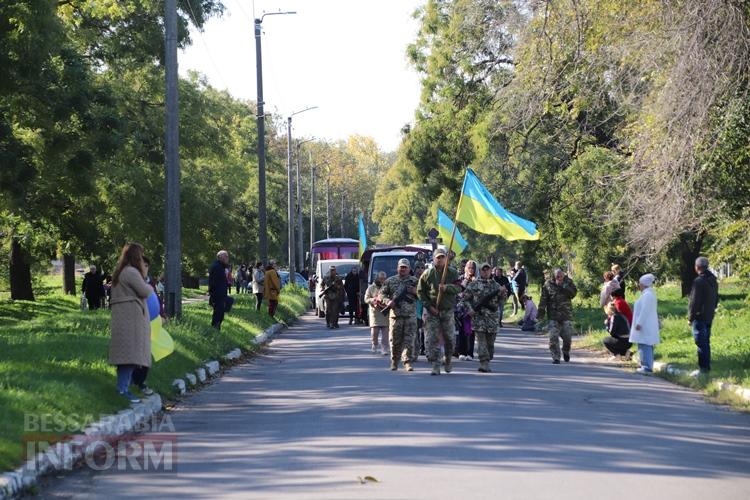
[218, 289]
[93, 288]
[258, 278]
[522, 282]
[130, 345]
[644, 330]
[272, 287]
[141, 373]
[704, 297]
[504, 282]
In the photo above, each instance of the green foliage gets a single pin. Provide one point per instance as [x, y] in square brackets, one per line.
[54, 358]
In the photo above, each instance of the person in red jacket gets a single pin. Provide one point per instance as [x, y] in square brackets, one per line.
[618, 298]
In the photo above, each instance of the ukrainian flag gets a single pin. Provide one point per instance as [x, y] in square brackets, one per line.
[445, 228]
[479, 210]
[362, 236]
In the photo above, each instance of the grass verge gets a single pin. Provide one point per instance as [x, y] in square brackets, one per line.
[53, 360]
[730, 342]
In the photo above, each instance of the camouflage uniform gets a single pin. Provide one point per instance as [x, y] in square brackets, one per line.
[443, 324]
[556, 303]
[403, 317]
[332, 299]
[484, 322]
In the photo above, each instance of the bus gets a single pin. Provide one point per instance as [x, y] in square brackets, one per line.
[333, 248]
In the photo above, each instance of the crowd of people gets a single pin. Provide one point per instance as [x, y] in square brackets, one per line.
[421, 312]
[431, 311]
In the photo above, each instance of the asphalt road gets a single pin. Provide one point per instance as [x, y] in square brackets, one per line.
[317, 410]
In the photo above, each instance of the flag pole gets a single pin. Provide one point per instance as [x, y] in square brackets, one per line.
[450, 245]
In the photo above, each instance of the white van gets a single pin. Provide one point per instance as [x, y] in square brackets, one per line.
[322, 269]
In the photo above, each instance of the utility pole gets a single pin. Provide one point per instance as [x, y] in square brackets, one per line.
[262, 229]
[343, 197]
[262, 226]
[328, 204]
[173, 258]
[290, 202]
[312, 203]
[300, 227]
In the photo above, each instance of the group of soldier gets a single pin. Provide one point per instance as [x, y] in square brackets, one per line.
[429, 297]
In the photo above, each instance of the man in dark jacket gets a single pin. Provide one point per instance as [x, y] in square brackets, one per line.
[704, 297]
[522, 281]
[351, 286]
[93, 288]
[218, 288]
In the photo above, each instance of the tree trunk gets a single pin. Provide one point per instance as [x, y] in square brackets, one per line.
[69, 274]
[20, 273]
[690, 249]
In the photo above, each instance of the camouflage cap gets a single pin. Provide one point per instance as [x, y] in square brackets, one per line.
[485, 264]
[404, 263]
[438, 251]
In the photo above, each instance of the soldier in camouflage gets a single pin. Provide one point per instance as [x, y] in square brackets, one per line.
[557, 294]
[403, 315]
[481, 299]
[438, 317]
[333, 288]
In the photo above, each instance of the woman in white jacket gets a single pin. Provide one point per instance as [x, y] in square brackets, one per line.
[645, 328]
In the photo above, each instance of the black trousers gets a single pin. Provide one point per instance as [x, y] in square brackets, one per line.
[617, 346]
[258, 300]
[465, 344]
[139, 376]
[221, 305]
[95, 301]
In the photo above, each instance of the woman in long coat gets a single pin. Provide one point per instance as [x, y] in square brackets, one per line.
[645, 328]
[130, 346]
[272, 288]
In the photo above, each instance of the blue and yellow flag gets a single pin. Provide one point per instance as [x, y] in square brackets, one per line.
[479, 210]
[445, 228]
[362, 236]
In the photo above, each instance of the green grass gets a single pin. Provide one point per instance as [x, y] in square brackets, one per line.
[53, 358]
[730, 342]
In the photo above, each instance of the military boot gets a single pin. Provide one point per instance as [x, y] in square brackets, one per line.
[408, 367]
[435, 368]
[484, 367]
[448, 366]
[394, 366]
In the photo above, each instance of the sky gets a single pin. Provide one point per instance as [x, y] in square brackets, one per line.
[347, 57]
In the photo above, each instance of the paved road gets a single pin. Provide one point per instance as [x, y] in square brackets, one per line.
[317, 410]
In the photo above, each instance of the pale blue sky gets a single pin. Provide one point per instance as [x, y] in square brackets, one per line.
[348, 57]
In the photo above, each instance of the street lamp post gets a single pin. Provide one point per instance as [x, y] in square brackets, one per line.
[300, 231]
[262, 229]
[290, 200]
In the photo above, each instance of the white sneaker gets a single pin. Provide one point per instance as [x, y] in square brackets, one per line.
[374, 348]
[384, 352]
[462, 357]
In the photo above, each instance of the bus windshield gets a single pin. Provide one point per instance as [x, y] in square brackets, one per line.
[332, 249]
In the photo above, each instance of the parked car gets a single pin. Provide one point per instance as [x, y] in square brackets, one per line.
[299, 280]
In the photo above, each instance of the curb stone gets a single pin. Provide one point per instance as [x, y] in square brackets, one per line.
[110, 428]
[740, 391]
[192, 379]
[65, 455]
